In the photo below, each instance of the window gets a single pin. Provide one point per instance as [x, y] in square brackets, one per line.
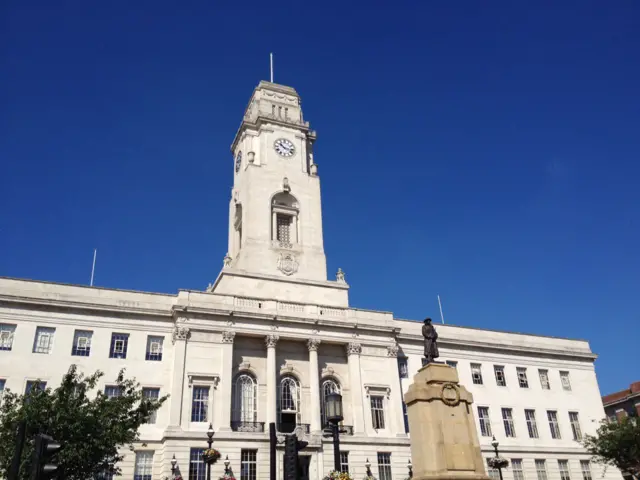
[283, 233]
[112, 391]
[154, 348]
[119, 343]
[197, 468]
[384, 466]
[541, 469]
[452, 363]
[532, 426]
[103, 476]
[552, 416]
[585, 467]
[377, 411]
[493, 472]
[566, 382]
[151, 394]
[485, 423]
[248, 463]
[2, 383]
[81, 343]
[544, 379]
[476, 373]
[199, 403]
[289, 404]
[6, 336]
[43, 342]
[344, 462]
[575, 426]
[516, 468]
[522, 377]
[563, 466]
[144, 466]
[34, 385]
[405, 415]
[328, 386]
[403, 369]
[501, 381]
[244, 399]
[507, 419]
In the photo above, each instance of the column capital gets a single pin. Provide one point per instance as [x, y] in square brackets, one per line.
[313, 344]
[392, 350]
[271, 340]
[354, 348]
[228, 336]
[180, 333]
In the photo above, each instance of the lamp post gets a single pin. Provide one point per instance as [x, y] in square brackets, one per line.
[410, 467]
[226, 465]
[497, 462]
[333, 414]
[173, 466]
[367, 465]
[210, 433]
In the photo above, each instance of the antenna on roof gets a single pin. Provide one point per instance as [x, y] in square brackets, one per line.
[271, 64]
[440, 305]
[93, 268]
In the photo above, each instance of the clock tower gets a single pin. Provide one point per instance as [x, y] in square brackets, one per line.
[275, 213]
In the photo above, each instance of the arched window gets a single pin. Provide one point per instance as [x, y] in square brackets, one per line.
[244, 399]
[289, 404]
[237, 224]
[328, 386]
[284, 219]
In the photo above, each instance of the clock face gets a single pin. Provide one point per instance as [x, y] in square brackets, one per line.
[284, 147]
[238, 161]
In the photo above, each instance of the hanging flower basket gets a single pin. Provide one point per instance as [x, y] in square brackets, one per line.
[335, 475]
[210, 456]
[227, 476]
[497, 462]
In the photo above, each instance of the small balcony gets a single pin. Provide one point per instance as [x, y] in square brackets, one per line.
[344, 430]
[286, 427]
[249, 427]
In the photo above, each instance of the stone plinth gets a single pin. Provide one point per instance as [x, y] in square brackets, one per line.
[444, 441]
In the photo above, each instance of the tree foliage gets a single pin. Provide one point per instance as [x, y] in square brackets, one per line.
[91, 428]
[617, 444]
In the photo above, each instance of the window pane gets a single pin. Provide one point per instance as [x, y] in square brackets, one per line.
[575, 426]
[485, 423]
[6, 336]
[403, 369]
[119, 344]
[532, 426]
[564, 378]
[507, 419]
[152, 394]
[248, 462]
[541, 469]
[544, 379]
[283, 233]
[143, 466]
[377, 412]
[199, 404]
[384, 466]
[585, 467]
[522, 377]
[81, 343]
[344, 462]
[197, 469]
[552, 416]
[563, 466]
[493, 472]
[43, 341]
[516, 468]
[501, 380]
[154, 348]
[476, 373]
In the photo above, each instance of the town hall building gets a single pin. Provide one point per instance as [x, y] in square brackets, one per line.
[272, 336]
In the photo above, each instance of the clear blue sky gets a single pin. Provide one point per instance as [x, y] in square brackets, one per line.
[484, 151]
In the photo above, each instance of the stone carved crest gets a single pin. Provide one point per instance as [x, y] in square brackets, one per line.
[180, 333]
[392, 350]
[287, 263]
[228, 336]
[354, 348]
[450, 394]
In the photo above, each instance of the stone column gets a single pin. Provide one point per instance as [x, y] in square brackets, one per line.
[314, 383]
[357, 402]
[272, 379]
[226, 380]
[395, 398]
[179, 339]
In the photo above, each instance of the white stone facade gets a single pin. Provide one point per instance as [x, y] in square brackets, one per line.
[272, 318]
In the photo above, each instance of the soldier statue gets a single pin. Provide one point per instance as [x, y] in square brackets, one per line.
[430, 341]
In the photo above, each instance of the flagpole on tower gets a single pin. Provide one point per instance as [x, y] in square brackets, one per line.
[271, 64]
[93, 267]
[440, 305]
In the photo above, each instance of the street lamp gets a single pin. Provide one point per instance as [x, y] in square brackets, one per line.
[333, 414]
[226, 465]
[367, 465]
[173, 466]
[210, 433]
[410, 467]
[497, 462]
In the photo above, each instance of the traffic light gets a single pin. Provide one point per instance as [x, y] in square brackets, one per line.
[291, 448]
[42, 466]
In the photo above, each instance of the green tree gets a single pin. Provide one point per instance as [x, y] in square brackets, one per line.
[90, 428]
[617, 444]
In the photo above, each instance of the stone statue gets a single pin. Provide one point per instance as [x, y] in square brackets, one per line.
[430, 341]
